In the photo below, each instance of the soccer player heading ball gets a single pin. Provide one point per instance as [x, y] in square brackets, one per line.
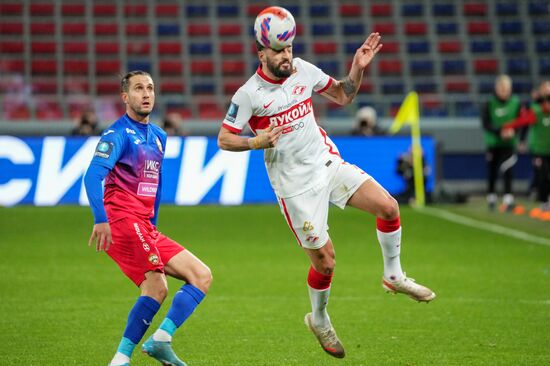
[304, 166]
[129, 157]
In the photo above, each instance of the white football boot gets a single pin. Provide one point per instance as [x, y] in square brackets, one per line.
[327, 338]
[408, 287]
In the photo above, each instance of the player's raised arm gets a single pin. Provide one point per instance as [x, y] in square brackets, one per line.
[343, 91]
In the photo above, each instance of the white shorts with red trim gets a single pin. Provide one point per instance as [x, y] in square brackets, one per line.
[307, 213]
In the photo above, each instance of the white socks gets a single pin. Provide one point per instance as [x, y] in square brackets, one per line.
[161, 335]
[119, 359]
[319, 301]
[390, 243]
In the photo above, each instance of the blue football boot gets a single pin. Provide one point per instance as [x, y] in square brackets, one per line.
[162, 352]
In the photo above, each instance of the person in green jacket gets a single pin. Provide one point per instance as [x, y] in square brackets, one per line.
[537, 117]
[502, 108]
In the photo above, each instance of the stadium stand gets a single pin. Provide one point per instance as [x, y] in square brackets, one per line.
[58, 55]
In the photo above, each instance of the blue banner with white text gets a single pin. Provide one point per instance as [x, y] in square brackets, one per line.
[47, 171]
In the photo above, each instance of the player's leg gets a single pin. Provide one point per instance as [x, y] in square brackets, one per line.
[508, 159]
[183, 265]
[492, 173]
[373, 198]
[140, 263]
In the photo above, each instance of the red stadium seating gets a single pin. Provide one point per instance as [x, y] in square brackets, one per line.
[419, 28]
[170, 67]
[351, 10]
[75, 67]
[107, 67]
[486, 66]
[16, 111]
[325, 48]
[475, 9]
[384, 28]
[15, 66]
[104, 10]
[11, 28]
[74, 29]
[12, 47]
[381, 10]
[390, 47]
[167, 10]
[229, 30]
[231, 48]
[75, 47]
[107, 87]
[231, 87]
[210, 110]
[202, 67]
[44, 86]
[390, 67]
[73, 9]
[137, 29]
[105, 29]
[479, 28]
[366, 87]
[198, 29]
[457, 87]
[48, 110]
[73, 86]
[450, 46]
[11, 8]
[107, 48]
[43, 67]
[43, 47]
[139, 10]
[172, 86]
[43, 28]
[138, 48]
[41, 9]
[169, 48]
[254, 9]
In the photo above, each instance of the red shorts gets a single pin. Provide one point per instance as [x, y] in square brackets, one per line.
[138, 247]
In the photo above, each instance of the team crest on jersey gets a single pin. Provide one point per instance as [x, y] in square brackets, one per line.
[153, 259]
[104, 149]
[159, 145]
[298, 90]
[231, 115]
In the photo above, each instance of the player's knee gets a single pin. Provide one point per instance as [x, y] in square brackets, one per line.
[326, 264]
[389, 209]
[204, 279]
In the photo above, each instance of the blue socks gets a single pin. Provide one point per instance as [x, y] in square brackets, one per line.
[184, 303]
[139, 319]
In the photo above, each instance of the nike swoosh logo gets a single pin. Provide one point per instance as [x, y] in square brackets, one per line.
[146, 322]
[267, 105]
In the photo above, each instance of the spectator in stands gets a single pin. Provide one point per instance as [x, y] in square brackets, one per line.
[502, 108]
[366, 123]
[172, 124]
[87, 124]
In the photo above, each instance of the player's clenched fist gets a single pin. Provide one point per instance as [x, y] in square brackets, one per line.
[266, 139]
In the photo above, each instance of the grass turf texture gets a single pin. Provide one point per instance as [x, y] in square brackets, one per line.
[62, 303]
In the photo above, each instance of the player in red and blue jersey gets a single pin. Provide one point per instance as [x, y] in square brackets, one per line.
[129, 157]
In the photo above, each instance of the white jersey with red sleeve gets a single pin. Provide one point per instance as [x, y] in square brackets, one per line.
[299, 159]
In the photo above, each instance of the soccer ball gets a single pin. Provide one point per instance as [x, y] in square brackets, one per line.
[275, 28]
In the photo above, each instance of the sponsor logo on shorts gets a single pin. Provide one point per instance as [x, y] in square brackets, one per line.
[231, 115]
[308, 226]
[141, 238]
[104, 149]
[153, 259]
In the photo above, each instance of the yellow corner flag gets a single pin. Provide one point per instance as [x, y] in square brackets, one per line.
[408, 114]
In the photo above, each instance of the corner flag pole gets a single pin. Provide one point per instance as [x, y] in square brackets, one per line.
[408, 113]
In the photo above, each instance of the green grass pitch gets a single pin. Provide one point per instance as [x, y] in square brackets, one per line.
[63, 304]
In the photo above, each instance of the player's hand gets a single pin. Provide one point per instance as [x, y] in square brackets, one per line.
[267, 139]
[367, 51]
[507, 133]
[101, 234]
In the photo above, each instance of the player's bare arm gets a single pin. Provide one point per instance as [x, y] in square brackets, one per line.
[101, 234]
[266, 139]
[344, 91]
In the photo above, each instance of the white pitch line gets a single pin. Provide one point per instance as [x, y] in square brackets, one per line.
[483, 225]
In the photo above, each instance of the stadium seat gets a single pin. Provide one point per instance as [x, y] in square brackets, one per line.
[198, 29]
[139, 65]
[543, 46]
[425, 87]
[522, 87]
[381, 10]
[107, 87]
[73, 29]
[73, 10]
[200, 48]
[486, 66]
[15, 66]
[475, 9]
[138, 48]
[197, 11]
[504, 9]
[316, 11]
[366, 87]
[443, 9]
[15, 112]
[395, 87]
[517, 66]
[538, 8]
[137, 29]
[107, 67]
[43, 47]
[167, 10]
[169, 48]
[479, 28]
[389, 47]
[210, 110]
[514, 46]
[135, 10]
[384, 28]
[389, 67]
[482, 46]
[105, 29]
[513, 27]
[48, 110]
[75, 67]
[41, 9]
[104, 10]
[11, 28]
[107, 48]
[457, 87]
[43, 67]
[324, 48]
[416, 28]
[205, 67]
[232, 29]
[486, 87]
[231, 87]
[433, 107]
[454, 67]
[14, 8]
[450, 46]
[412, 10]
[179, 108]
[466, 108]
[72, 86]
[44, 86]
[418, 47]
[168, 29]
[43, 28]
[170, 67]
[421, 67]
[172, 86]
[446, 28]
[351, 10]
[298, 48]
[541, 27]
[12, 47]
[330, 67]
[75, 47]
[231, 48]
[353, 29]
[233, 67]
[322, 29]
[226, 11]
[544, 66]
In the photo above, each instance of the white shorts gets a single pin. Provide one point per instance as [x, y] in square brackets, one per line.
[307, 213]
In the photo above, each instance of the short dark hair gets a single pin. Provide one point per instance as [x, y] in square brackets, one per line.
[125, 81]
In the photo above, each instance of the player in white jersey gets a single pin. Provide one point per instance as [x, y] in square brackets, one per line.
[307, 172]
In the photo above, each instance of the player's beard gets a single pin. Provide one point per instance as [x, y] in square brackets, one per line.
[277, 71]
